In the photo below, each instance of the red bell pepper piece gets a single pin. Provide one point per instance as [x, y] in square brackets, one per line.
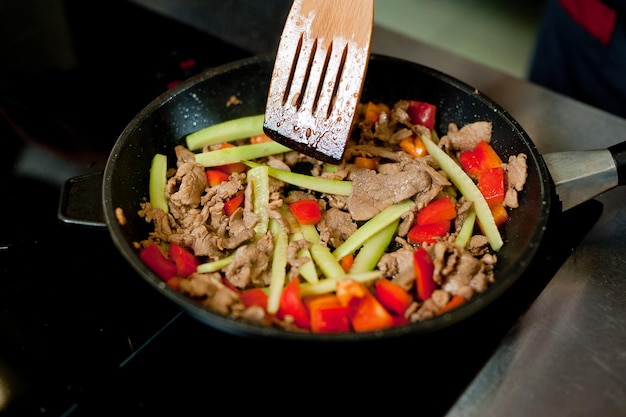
[481, 158]
[215, 177]
[152, 256]
[437, 211]
[254, 297]
[186, 262]
[422, 113]
[233, 203]
[428, 233]
[500, 215]
[424, 267]
[373, 112]
[455, 301]
[306, 211]
[292, 305]
[392, 296]
[365, 312]
[327, 314]
[491, 185]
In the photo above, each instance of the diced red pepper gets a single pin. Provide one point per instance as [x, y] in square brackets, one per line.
[422, 113]
[327, 314]
[366, 162]
[414, 146]
[428, 233]
[500, 215]
[235, 166]
[373, 112]
[424, 267]
[481, 158]
[233, 203]
[291, 305]
[392, 296]
[437, 211]
[174, 283]
[365, 312]
[306, 211]
[254, 297]
[455, 301]
[215, 177]
[346, 262]
[491, 185]
[186, 262]
[152, 256]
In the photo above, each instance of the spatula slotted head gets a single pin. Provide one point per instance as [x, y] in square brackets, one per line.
[318, 76]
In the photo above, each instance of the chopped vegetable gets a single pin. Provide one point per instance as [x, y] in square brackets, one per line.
[215, 177]
[455, 302]
[373, 249]
[326, 313]
[422, 113]
[306, 211]
[481, 158]
[491, 185]
[154, 258]
[471, 192]
[428, 233]
[373, 226]
[437, 211]
[158, 179]
[424, 283]
[392, 296]
[234, 166]
[258, 178]
[227, 131]
[240, 153]
[365, 312]
[233, 203]
[279, 262]
[321, 185]
[292, 307]
[323, 258]
[186, 262]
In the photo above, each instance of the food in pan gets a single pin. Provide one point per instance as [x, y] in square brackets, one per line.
[404, 229]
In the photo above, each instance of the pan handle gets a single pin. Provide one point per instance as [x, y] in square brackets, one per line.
[618, 152]
[81, 201]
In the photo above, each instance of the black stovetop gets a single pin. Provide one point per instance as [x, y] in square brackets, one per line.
[82, 334]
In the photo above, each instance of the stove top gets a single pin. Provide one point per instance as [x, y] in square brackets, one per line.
[82, 334]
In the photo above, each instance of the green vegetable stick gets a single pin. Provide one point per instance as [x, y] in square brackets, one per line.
[238, 153]
[227, 131]
[323, 258]
[259, 181]
[279, 265]
[373, 249]
[307, 270]
[215, 265]
[329, 285]
[467, 229]
[323, 185]
[467, 187]
[373, 226]
[158, 179]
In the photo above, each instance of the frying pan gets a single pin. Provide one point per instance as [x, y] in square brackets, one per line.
[201, 101]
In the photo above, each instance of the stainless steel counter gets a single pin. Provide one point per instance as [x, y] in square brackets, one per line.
[567, 355]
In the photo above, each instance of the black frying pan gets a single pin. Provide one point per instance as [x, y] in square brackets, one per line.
[201, 101]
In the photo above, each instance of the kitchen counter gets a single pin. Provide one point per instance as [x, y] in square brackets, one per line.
[567, 354]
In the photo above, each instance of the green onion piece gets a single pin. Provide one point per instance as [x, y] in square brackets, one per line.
[371, 227]
[259, 181]
[329, 285]
[307, 270]
[158, 180]
[467, 187]
[215, 265]
[279, 265]
[467, 229]
[373, 249]
[323, 258]
[238, 153]
[227, 131]
[323, 185]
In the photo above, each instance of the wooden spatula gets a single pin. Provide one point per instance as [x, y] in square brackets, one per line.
[318, 76]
